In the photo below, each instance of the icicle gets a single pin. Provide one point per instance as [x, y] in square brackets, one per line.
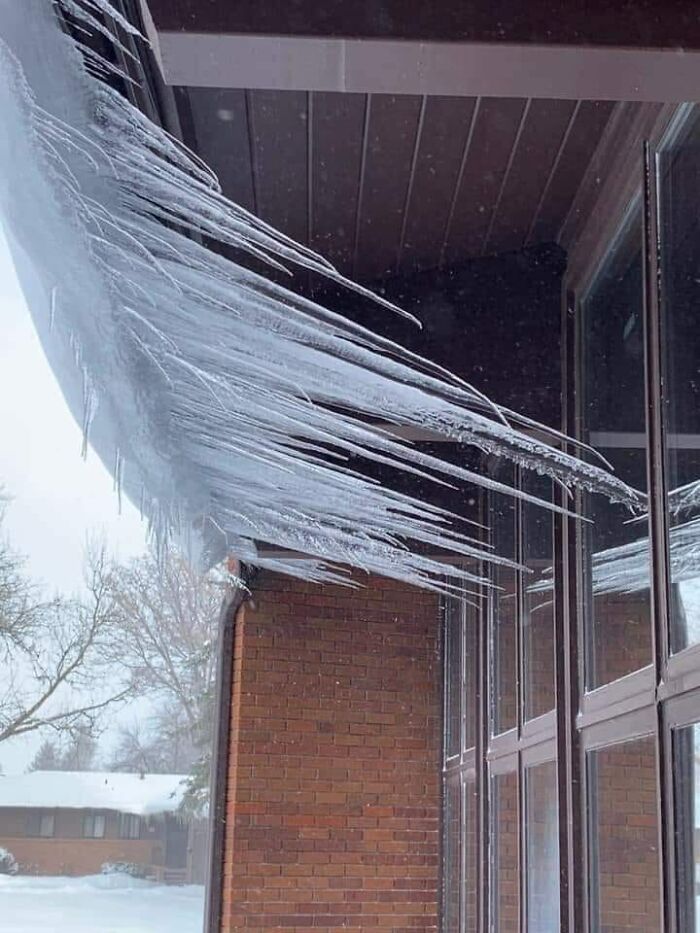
[90, 404]
[52, 312]
[118, 477]
[231, 397]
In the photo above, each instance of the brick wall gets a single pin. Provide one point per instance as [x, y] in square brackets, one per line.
[79, 856]
[622, 635]
[67, 852]
[334, 785]
[505, 898]
[626, 836]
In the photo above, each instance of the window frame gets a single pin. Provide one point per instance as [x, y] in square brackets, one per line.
[91, 820]
[35, 820]
[127, 822]
[652, 701]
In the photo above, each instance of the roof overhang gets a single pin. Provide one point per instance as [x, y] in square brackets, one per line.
[472, 69]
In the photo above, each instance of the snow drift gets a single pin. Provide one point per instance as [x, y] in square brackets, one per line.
[227, 405]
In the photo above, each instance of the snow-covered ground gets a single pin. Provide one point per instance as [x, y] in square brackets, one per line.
[98, 904]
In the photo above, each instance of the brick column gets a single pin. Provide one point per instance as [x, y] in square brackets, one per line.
[334, 792]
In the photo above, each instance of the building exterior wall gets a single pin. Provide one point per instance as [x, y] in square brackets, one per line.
[334, 792]
[68, 852]
[78, 856]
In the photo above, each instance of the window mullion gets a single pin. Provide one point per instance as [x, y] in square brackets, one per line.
[660, 574]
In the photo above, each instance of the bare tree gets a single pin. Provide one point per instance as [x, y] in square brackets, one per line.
[52, 652]
[47, 758]
[77, 754]
[161, 745]
[164, 640]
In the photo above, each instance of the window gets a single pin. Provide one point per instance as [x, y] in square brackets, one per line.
[505, 836]
[584, 769]
[129, 826]
[94, 825]
[538, 601]
[686, 771]
[452, 844]
[680, 269]
[623, 838]
[504, 617]
[453, 698]
[542, 859]
[615, 551]
[460, 801]
[41, 823]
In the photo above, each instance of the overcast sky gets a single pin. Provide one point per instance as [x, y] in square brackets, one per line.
[58, 499]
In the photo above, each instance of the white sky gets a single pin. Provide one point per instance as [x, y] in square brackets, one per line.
[58, 499]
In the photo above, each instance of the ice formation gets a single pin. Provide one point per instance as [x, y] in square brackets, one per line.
[227, 404]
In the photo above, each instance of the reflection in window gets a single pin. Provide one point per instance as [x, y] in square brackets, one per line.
[129, 826]
[469, 873]
[542, 840]
[538, 603]
[680, 252]
[452, 854]
[504, 617]
[504, 854]
[686, 771]
[616, 551]
[453, 691]
[94, 825]
[471, 653]
[41, 823]
[624, 845]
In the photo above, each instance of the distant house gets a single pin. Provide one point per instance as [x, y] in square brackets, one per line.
[73, 822]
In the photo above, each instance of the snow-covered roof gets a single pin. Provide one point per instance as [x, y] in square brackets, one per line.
[94, 790]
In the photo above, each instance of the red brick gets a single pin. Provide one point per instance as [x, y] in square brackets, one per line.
[334, 787]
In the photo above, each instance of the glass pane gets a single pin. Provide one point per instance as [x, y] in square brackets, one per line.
[453, 677]
[686, 771]
[504, 854]
[470, 917]
[542, 840]
[504, 618]
[679, 189]
[471, 649]
[538, 602]
[616, 551]
[624, 845]
[452, 854]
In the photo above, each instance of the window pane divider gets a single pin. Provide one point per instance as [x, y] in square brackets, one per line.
[534, 730]
[626, 694]
[622, 728]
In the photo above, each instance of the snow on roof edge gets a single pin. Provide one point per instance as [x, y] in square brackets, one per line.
[141, 795]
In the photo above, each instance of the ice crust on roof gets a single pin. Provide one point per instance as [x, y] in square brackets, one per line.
[226, 404]
[145, 795]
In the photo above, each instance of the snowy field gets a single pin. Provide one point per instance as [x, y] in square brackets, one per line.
[98, 904]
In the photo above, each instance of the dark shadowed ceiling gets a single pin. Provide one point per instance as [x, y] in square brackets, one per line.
[383, 184]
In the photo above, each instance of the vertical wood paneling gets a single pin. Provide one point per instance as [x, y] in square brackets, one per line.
[542, 134]
[278, 121]
[336, 154]
[220, 125]
[445, 129]
[584, 136]
[391, 139]
[494, 134]
[376, 195]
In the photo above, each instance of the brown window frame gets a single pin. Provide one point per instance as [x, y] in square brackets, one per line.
[35, 818]
[651, 701]
[89, 824]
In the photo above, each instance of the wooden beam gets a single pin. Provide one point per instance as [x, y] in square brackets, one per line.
[409, 67]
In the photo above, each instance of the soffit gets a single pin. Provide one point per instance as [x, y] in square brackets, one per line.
[384, 184]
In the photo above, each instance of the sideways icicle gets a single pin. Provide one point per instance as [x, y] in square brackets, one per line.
[239, 406]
